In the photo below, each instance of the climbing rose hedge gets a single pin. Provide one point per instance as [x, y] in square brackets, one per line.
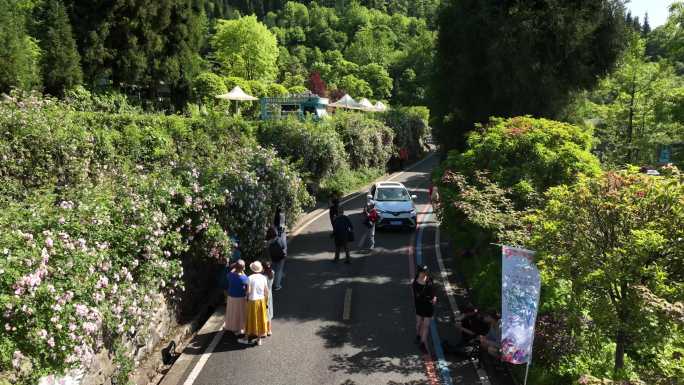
[100, 214]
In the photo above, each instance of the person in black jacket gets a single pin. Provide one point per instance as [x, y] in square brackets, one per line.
[425, 297]
[334, 209]
[343, 233]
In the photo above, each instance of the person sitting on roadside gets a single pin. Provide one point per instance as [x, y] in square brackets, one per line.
[491, 343]
[472, 325]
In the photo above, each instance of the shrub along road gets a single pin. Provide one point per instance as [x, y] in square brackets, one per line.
[311, 342]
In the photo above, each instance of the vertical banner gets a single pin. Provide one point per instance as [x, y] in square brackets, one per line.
[520, 285]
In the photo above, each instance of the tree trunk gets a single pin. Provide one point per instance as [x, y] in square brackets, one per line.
[619, 351]
[630, 123]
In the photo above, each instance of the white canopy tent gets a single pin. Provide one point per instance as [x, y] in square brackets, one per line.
[238, 95]
[380, 107]
[345, 102]
[366, 105]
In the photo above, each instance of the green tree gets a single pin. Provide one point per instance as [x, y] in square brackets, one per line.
[60, 60]
[294, 15]
[207, 86]
[275, 89]
[667, 41]
[507, 59]
[355, 87]
[615, 242]
[527, 155]
[378, 79]
[412, 70]
[372, 44]
[637, 108]
[19, 53]
[146, 44]
[245, 48]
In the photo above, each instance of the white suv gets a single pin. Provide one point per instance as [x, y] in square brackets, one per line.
[394, 204]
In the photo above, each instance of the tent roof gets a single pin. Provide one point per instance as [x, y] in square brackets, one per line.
[345, 102]
[237, 94]
[380, 106]
[365, 104]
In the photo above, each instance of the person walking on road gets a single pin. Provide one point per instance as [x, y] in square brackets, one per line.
[268, 273]
[372, 220]
[343, 233]
[334, 209]
[276, 251]
[257, 314]
[279, 224]
[235, 306]
[425, 297]
[403, 157]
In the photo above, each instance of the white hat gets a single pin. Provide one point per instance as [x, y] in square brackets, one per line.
[256, 267]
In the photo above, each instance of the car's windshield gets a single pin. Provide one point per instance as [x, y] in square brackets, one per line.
[392, 194]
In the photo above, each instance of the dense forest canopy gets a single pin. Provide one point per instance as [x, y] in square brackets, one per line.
[375, 49]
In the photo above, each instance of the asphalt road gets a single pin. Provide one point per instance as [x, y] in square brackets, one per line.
[311, 343]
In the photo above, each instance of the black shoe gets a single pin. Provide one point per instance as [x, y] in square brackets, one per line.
[416, 340]
[348, 261]
[335, 260]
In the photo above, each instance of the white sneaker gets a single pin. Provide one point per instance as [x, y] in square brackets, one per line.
[243, 341]
[259, 342]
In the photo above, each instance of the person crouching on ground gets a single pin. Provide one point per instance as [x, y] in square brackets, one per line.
[425, 297]
[257, 316]
[343, 233]
[236, 302]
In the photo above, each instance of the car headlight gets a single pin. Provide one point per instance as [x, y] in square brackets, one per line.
[413, 212]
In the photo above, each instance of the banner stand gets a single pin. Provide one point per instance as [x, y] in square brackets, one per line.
[527, 369]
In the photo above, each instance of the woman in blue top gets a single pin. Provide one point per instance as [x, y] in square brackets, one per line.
[235, 306]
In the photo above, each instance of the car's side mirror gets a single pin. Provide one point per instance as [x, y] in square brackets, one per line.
[414, 196]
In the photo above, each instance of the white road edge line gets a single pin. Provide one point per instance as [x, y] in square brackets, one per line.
[445, 278]
[203, 359]
[346, 313]
[484, 379]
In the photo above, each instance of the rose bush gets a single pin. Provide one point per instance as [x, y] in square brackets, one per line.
[102, 213]
[368, 141]
[317, 149]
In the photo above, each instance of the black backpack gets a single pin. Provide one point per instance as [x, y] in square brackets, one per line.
[276, 251]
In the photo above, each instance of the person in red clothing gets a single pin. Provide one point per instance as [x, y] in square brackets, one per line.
[403, 157]
[372, 219]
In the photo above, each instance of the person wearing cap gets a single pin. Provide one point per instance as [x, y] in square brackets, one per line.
[425, 297]
[235, 304]
[257, 313]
